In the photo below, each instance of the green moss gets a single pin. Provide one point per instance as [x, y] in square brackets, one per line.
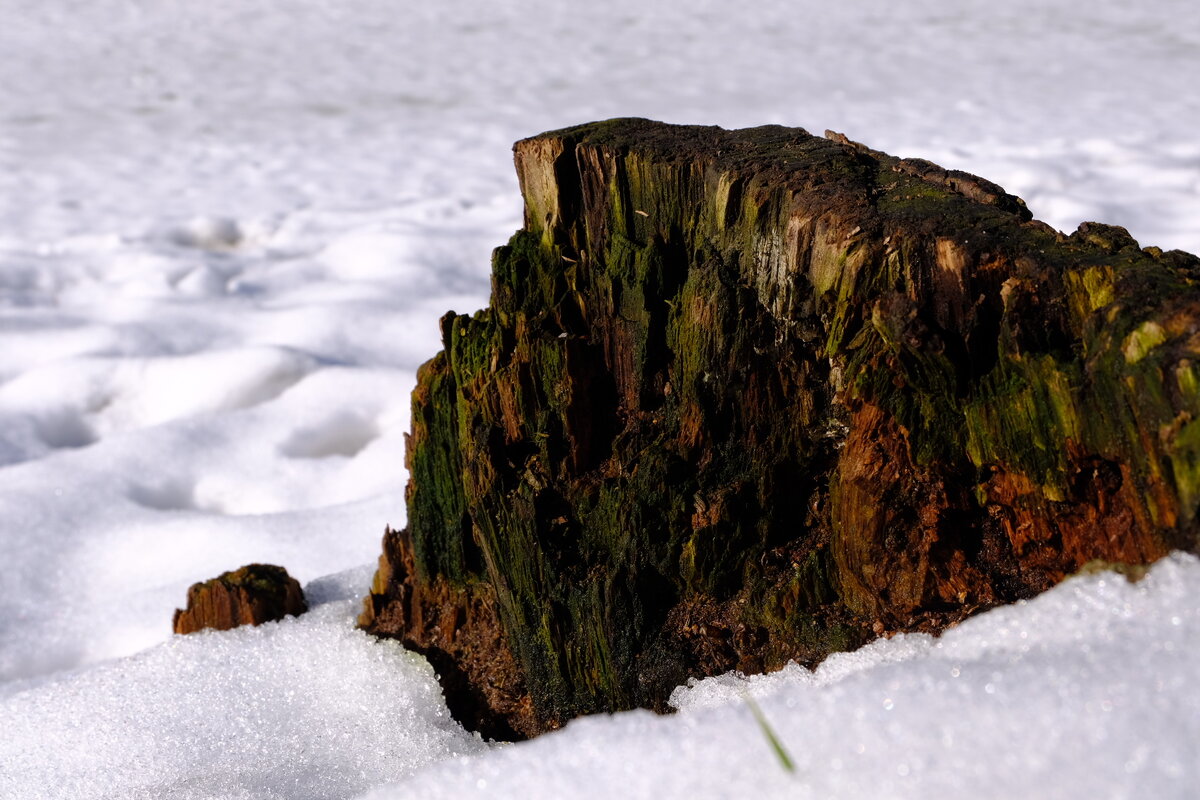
[437, 507]
[1020, 416]
[1144, 338]
[1091, 288]
[1187, 381]
[265, 579]
[1183, 450]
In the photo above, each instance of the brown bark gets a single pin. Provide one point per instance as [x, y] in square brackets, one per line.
[251, 595]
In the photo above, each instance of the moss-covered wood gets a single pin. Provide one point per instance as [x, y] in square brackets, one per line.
[748, 396]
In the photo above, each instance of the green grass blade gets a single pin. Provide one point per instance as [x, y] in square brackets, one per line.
[785, 760]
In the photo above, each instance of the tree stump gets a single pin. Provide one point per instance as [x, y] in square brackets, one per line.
[744, 397]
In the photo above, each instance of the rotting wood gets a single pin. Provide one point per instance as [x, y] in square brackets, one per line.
[742, 397]
[250, 595]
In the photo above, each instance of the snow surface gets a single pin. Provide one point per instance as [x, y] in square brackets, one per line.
[1087, 691]
[305, 708]
[227, 231]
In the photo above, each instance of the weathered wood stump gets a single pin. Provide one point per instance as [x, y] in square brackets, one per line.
[252, 595]
[748, 396]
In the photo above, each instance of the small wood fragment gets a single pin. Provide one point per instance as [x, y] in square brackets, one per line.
[251, 595]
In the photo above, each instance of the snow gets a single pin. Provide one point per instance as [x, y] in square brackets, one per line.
[1086, 691]
[227, 231]
[245, 713]
[1083, 692]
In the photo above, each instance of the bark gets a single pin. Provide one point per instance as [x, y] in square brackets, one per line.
[742, 397]
[252, 595]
